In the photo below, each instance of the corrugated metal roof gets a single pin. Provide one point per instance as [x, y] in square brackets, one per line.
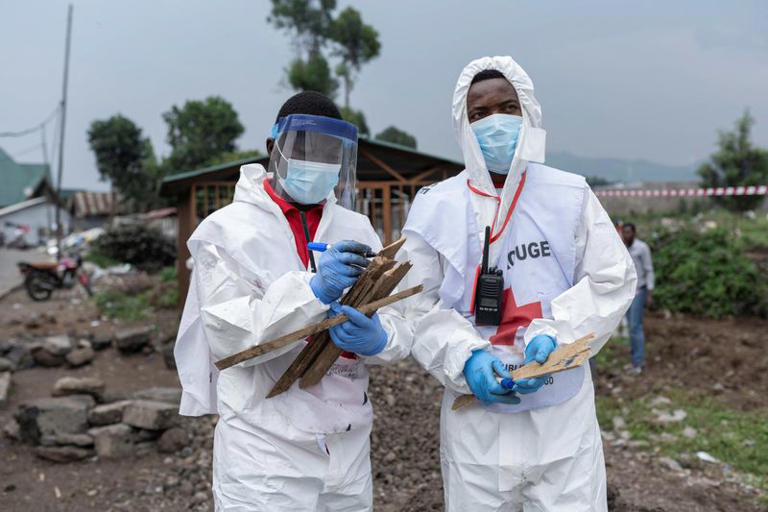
[19, 181]
[90, 204]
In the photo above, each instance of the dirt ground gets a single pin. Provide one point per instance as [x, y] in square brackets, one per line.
[405, 441]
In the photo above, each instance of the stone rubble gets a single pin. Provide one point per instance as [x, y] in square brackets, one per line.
[79, 385]
[133, 339]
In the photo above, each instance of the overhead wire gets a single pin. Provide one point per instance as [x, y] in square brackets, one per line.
[35, 128]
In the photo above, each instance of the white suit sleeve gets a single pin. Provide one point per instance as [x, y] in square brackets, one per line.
[605, 280]
[238, 312]
[443, 340]
[399, 336]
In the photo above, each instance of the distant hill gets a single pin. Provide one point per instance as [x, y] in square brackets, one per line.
[621, 170]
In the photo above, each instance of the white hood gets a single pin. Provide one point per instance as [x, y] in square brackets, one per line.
[531, 144]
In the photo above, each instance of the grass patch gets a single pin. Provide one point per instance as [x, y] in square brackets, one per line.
[168, 274]
[614, 354]
[167, 296]
[100, 259]
[737, 438]
[121, 306]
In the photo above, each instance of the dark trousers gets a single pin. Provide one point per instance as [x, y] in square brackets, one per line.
[636, 332]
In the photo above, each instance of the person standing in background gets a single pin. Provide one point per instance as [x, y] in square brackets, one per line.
[641, 255]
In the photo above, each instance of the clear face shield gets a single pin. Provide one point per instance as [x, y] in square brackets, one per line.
[314, 159]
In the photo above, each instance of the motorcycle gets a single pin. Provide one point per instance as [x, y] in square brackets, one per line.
[42, 277]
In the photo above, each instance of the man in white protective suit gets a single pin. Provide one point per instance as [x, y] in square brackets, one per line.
[562, 273]
[253, 280]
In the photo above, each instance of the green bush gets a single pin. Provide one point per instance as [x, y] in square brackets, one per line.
[705, 274]
[144, 247]
[97, 258]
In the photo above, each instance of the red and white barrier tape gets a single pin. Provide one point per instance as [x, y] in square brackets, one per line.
[759, 190]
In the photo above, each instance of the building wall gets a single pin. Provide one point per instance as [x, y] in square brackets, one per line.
[39, 217]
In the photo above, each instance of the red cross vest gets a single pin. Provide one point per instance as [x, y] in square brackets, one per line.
[537, 257]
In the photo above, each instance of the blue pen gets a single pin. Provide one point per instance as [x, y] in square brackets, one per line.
[322, 247]
[507, 383]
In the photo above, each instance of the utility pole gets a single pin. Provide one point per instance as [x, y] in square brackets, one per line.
[61, 134]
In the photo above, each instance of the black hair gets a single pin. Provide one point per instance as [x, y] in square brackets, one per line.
[309, 102]
[629, 225]
[487, 74]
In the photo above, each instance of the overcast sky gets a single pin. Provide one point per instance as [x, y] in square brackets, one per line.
[651, 79]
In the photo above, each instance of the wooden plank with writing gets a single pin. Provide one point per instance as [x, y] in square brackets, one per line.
[564, 358]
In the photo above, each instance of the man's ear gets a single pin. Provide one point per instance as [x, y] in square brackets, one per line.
[270, 145]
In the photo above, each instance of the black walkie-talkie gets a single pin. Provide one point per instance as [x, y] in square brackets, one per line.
[489, 289]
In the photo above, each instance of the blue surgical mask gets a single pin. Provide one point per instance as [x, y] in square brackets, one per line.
[309, 182]
[497, 135]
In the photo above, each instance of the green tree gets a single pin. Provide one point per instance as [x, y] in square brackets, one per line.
[312, 74]
[397, 136]
[307, 21]
[126, 159]
[199, 131]
[356, 44]
[736, 163]
[597, 181]
[357, 118]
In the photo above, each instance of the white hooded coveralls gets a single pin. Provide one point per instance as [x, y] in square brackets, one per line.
[569, 274]
[303, 450]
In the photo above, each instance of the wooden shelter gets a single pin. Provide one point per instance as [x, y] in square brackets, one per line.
[388, 178]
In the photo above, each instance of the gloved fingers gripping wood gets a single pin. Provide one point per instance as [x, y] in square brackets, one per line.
[370, 291]
[564, 358]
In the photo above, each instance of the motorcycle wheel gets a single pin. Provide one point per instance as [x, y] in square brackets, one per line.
[36, 288]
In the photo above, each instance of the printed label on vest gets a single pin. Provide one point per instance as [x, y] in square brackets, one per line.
[557, 387]
[349, 371]
[530, 250]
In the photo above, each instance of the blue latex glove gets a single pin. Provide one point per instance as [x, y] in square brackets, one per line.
[338, 269]
[537, 350]
[479, 372]
[360, 334]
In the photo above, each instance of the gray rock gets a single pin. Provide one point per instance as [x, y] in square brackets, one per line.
[107, 414]
[82, 440]
[173, 440]
[677, 416]
[168, 358]
[78, 385]
[6, 365]
[113, 440]
[45, 358]
[52, 417]
[6, 346]
[5, 387]
[671, 464]
[143, 434]
[618, 423]
[158, 394]
[150, 415]
[690, 432]
[20, 356]
[80, 356]
[59, 345]
[11, 430]
[101, 339]
[63, 453]
[88, 400]
[133, 339]
[660, 400]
